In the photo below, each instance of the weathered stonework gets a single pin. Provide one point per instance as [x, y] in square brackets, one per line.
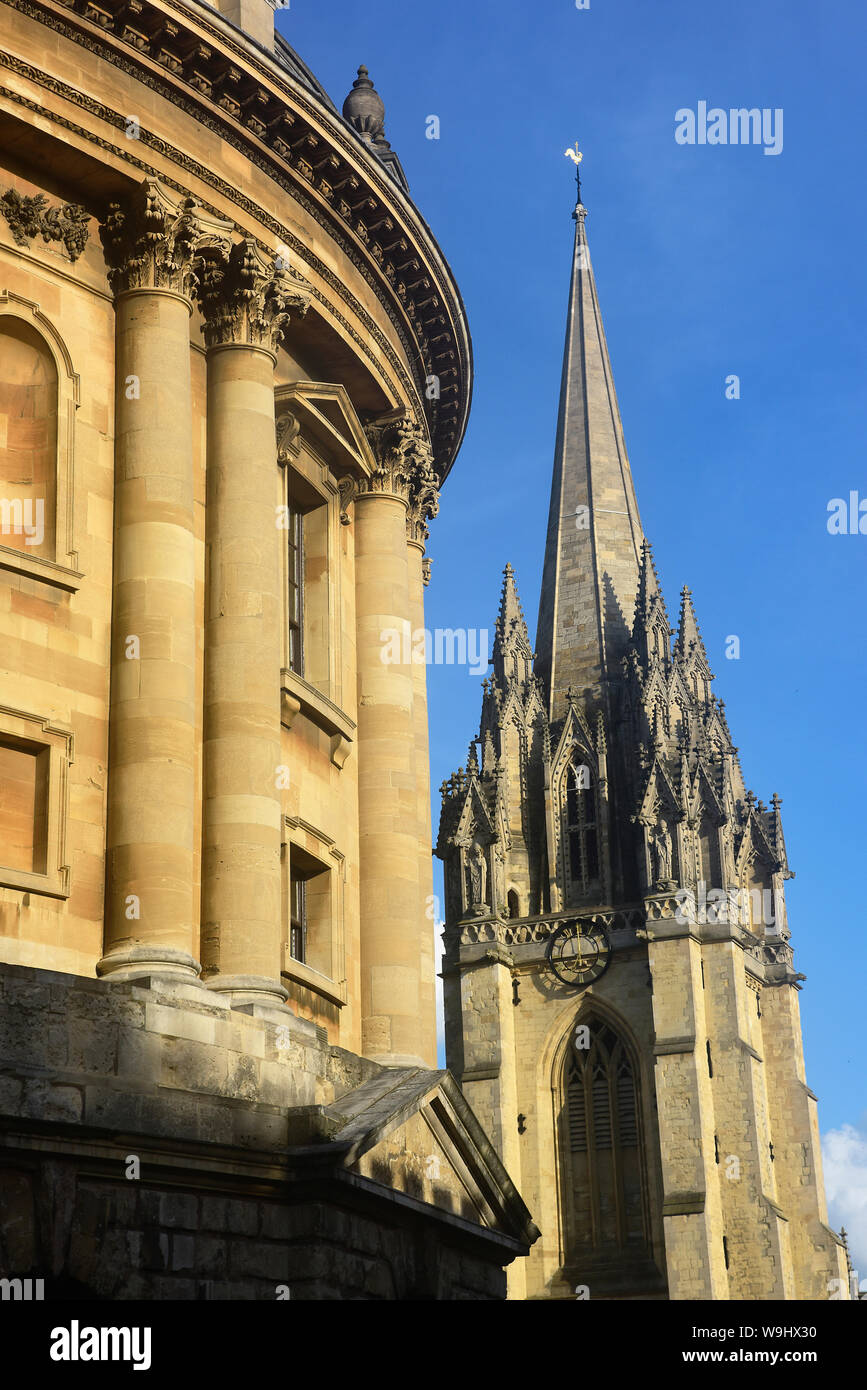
[216, 949]
[155, 1143]
[655, 1114]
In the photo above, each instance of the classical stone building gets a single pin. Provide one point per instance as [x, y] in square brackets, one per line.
[621, 1002]
[234, 372]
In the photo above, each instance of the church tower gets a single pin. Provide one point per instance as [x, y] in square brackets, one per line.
[621, 1001]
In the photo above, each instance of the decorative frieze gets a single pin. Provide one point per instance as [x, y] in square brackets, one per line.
[30, 216]
[528, 932]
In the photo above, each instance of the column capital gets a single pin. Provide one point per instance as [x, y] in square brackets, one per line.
[152, 238]
[246, 298]
[404, 466]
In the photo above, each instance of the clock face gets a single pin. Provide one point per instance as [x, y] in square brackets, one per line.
[578, 953]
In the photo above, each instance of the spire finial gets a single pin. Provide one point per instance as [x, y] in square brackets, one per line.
[576, 156]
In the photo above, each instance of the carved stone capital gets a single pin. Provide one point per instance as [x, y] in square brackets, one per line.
[246, 298]
[152, 240]
[404, 466]
[424, 503]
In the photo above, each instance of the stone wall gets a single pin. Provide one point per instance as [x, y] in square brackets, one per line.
[155, 1143]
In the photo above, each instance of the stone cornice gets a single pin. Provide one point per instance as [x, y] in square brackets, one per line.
[207, 176]
[283, 128]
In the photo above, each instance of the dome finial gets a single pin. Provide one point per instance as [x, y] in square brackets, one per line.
[364, 108]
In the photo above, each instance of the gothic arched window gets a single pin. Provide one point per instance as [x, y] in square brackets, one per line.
[708, 843]
[580, 840]
[513, 904]
[602, 1156]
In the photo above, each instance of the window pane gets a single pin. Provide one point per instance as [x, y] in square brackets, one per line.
[297, 919]
[295, 587]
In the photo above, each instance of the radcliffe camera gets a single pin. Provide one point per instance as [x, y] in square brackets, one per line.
[411, 726]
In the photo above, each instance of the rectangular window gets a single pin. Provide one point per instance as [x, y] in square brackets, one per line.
[298, 919]
[23, 806]
[295, 586]
[35, 757]
[312, 894]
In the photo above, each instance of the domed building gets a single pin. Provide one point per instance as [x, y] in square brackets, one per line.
[235, 371]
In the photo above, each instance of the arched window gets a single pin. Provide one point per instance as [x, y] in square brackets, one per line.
[708, 841]
[28, 439]
[513, 904]
[605, 1221]
[580, 843]
[757, 898]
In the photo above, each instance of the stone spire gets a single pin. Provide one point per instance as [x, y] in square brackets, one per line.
[651, 634]
[594, 537]
[512, 655]
[689, 638]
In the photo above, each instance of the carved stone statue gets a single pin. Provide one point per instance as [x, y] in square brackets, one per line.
[662, 852]
[477, 870]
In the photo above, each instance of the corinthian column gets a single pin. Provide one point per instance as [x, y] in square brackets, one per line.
[150, 242]
[246, 304]
[394, 1004]
[423, 506]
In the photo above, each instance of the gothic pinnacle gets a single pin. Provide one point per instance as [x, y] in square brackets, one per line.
[689, 638]
[510, 612]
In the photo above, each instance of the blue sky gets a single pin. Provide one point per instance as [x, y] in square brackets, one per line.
[710, 261]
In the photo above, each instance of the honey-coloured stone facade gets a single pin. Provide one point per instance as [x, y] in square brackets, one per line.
[220, 315]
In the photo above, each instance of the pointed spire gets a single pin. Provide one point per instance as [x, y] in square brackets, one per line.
[649, 592]
[594, 529]
[688, 634]
[510, 613]
[512, 654]
[651, 631]
[489, 757]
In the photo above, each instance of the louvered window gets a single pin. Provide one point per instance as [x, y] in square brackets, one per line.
[601, 1131]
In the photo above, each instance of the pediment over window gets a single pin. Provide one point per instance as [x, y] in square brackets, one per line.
[328, 423]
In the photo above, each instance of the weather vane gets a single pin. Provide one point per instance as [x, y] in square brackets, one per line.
[576, 157]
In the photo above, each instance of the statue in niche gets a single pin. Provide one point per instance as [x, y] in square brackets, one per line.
[498, 865]
[661, 842]
[477, 874]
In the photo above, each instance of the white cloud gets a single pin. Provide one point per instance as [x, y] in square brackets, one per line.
[844, 1157]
